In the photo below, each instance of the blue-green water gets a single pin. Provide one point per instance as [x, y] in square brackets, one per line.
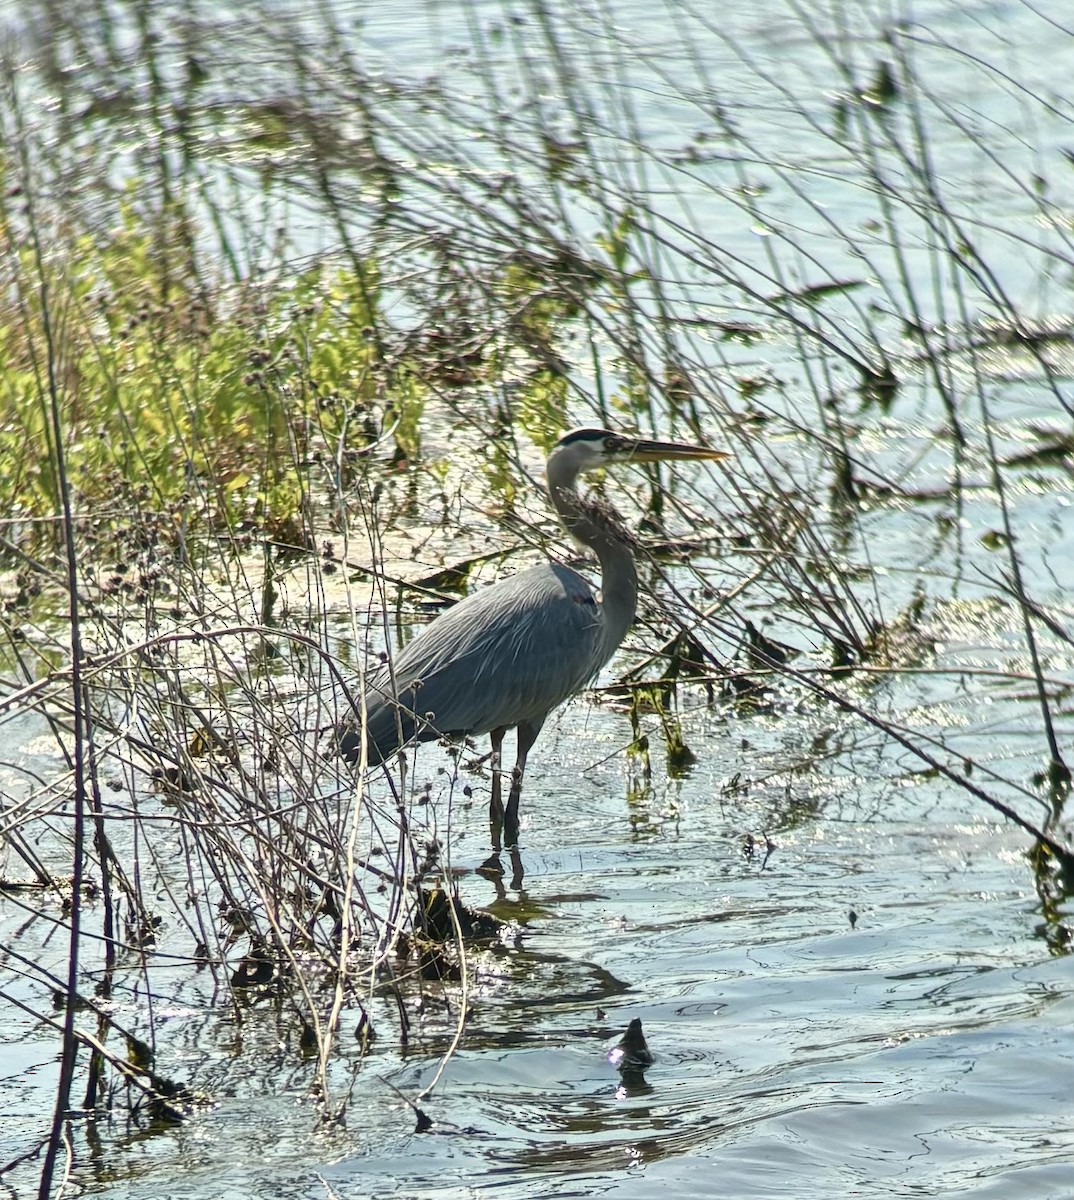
[882, 1005]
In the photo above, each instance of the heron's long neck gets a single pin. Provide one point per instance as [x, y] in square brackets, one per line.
[619, 577]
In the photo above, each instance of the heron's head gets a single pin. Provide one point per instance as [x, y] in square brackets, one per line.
[586, 449]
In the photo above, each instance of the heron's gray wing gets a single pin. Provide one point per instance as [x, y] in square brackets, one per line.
[508, 653]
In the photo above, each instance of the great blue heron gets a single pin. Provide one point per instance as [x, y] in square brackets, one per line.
[507, 655]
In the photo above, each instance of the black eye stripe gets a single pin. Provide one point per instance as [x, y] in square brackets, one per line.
[585, 435]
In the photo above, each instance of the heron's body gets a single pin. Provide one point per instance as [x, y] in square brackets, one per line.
[506, 656]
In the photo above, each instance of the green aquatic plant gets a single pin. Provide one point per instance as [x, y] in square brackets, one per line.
[219, 401]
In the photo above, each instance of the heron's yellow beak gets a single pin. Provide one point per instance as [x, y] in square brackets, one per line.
[642, 450]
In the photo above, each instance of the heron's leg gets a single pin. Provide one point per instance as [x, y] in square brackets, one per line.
[527, 735]
[496, 802]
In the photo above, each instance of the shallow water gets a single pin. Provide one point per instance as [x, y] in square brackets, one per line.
[924, 1047]
[879, 1006]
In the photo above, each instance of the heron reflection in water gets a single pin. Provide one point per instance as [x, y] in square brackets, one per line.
[509, 654]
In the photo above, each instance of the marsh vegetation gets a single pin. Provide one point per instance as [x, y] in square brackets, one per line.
[294, 302]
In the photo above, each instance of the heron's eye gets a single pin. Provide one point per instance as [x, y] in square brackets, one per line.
[611, 444]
